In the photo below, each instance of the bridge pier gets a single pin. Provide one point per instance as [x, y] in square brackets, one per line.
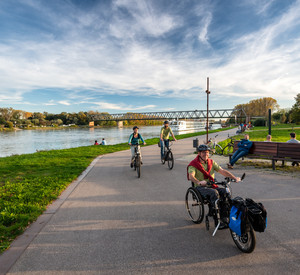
[120, 123]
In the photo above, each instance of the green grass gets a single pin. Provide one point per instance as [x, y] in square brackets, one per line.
[277, 126]
[29, 183]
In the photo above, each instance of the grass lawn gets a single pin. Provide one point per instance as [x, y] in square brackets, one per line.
[29, 183]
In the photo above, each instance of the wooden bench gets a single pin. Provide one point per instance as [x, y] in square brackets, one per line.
[288, 152]
[273, 151]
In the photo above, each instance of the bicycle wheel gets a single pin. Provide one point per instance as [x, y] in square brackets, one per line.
[218, 150]
[170, 160]
[246, 243]
[228, 149]
[194, 205]
[138, 166]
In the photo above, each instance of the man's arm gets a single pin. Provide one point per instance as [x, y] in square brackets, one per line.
[227, 174]
[172, 135]
[194, 180]
[161, 134]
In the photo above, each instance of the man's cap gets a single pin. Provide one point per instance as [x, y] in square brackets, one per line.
[135, 127]
[166, 122]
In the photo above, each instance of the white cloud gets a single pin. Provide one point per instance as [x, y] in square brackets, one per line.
[63, 102]
[204, 31]
[119, 59]
[119, 107]
[51, 103]
[146, 19]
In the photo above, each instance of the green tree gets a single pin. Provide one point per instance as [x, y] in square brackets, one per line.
[295, 111]
[6, 113]
[2, 120]
[283, 118]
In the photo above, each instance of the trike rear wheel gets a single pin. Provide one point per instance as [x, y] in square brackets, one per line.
[194, 205]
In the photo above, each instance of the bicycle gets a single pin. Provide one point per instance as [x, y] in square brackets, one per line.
[195, 202]
[137, 160]
[214, 146]
[228, 149]
[168, 156]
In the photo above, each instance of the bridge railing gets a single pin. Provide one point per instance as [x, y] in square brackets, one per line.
[195, 114]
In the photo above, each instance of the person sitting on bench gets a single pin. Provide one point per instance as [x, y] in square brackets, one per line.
[244, 148]
[294, 140]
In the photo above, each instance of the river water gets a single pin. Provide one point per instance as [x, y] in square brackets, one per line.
[30, 141]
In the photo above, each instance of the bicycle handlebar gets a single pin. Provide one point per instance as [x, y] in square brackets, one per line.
[227, 180]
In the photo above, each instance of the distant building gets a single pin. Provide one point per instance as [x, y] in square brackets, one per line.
[91, 124]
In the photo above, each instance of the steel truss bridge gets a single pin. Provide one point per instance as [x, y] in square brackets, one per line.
[196, 114]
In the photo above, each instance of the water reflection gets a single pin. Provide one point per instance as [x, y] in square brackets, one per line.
[29, 141]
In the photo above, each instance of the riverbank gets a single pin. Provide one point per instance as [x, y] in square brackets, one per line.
[30, 182]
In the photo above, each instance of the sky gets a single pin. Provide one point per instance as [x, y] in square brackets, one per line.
[137, 55]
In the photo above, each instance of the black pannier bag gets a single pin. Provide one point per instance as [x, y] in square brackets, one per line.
[257, 215]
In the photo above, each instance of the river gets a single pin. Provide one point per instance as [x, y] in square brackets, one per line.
[30, 141]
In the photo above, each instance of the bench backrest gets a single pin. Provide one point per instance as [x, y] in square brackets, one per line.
[261, 148]
[291, 150]
[274, 149]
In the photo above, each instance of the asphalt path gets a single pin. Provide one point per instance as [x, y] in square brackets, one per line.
[115, 223]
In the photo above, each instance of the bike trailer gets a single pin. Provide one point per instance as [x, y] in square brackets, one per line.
[257, 215]
[238, 216]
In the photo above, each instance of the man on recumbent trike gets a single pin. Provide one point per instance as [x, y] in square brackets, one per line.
[201, 172]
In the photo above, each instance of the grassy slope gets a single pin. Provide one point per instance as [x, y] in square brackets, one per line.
[28, 183]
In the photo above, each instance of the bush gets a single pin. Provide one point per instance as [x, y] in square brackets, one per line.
[9, 124]
[259, 122]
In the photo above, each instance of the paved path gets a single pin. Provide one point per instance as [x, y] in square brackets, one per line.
[115, 223]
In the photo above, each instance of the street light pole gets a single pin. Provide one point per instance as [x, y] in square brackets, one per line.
[207, 110]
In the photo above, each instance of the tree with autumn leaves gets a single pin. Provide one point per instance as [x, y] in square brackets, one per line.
[259, 107]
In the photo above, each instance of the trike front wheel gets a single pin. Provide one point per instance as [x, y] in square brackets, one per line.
[246, 242]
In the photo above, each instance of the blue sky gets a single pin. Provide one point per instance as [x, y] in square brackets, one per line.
[155, 55]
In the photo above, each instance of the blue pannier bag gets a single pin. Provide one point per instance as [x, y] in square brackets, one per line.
[238, 216]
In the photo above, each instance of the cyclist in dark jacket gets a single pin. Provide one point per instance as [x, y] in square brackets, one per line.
[134, 139]
[244, 148]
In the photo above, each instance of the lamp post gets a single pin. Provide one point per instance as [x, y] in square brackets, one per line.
[207, 110]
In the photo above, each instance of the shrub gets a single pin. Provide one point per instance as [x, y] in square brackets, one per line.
[259, 122]
[9, 124]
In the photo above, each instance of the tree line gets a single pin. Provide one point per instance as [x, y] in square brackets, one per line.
[11, 118]
[257, 110]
